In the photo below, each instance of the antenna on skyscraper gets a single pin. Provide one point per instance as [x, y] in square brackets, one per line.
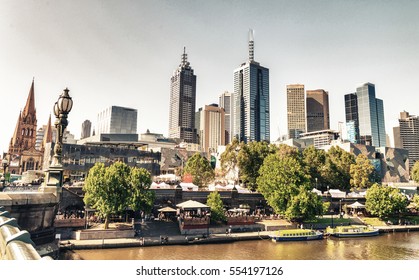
[184, 57]
[251, 45]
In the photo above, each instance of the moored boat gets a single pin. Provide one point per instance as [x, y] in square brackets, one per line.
[296, 235]
[352, 231]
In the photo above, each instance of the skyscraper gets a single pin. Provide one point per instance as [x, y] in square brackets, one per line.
[351, 115]
[86, 128]
[296, 110]
[227, 104]
[409, 136]
[182, 102]
[117, 120]
[370, 114]
[317, 110]
[212, 130]
[251, 100]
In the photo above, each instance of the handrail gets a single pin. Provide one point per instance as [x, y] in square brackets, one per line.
[15, 244]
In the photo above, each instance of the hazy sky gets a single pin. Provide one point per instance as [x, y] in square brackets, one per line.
[124, 53]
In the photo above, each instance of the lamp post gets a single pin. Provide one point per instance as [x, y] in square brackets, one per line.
[5, 164]
[331, 205]
[54, 176]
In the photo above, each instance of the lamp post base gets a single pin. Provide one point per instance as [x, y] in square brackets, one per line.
[53, 181]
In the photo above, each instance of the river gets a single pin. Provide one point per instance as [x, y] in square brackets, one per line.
[390, 246]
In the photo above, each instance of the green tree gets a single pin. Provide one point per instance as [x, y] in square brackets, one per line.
[250, 158]
[111, 190]
[200, 169]
[384, 201]
[315, 160]
[337, 168]
[305, 205]
[217, 207]
[282, 182]
[415, 172]
[229, 158]
[415, 201]
[361, 172]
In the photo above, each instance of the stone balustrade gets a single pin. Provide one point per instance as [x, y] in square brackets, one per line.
[15, 244]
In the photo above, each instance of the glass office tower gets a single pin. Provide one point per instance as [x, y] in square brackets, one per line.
[251, 100]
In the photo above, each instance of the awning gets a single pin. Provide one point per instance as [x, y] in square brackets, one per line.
[356, 205]
[167, 209]
[191, 204]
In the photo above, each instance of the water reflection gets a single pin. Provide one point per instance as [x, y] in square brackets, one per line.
[392, 246]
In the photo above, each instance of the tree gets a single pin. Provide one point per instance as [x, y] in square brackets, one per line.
[315, 160]
[305, 205]
[217, 207]
[415, 200]
[337, 168]
[384, 201]
[361, 172]
[250, 158]
[229, 159]
[111, 190]
[200, 169]
[415, 172]
[282, 182]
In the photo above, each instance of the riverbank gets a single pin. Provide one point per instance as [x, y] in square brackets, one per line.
[163, 240]
[164, 234]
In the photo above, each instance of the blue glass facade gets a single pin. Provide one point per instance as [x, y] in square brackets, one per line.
[251, 100]
[368, 114]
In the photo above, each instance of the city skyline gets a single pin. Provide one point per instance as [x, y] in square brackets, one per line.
[126, 51]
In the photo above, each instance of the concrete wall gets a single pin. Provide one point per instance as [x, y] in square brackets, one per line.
[34, 212]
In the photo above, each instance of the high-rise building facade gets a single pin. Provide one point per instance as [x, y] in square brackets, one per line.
[251, 100]
[409, 136]
[369, 111]
[371, 116]
[296, 110]
[182, 102]
[117, 120]
[317, 110]
[351, 114]
[227, 104]
[211, 128]
[86, 129]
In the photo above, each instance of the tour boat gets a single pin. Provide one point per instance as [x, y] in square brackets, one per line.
[296, 235]
[352, 231]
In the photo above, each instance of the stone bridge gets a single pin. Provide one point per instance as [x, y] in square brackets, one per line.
[15, 244]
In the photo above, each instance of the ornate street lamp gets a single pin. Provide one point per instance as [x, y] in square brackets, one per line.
[54, 176]
[61, 109]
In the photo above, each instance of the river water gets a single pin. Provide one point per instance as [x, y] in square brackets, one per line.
[390, 246]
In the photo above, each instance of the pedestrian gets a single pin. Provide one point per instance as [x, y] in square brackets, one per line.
[229, 230]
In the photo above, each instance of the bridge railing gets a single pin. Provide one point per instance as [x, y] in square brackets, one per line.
[15, 244]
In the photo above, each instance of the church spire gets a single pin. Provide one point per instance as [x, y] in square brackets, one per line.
[30, 102]
[47, 134]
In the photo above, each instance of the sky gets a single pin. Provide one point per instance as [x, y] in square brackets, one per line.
[124, 52]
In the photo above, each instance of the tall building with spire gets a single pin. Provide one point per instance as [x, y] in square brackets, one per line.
[251, 120]
[22, 153]
[182, 102]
